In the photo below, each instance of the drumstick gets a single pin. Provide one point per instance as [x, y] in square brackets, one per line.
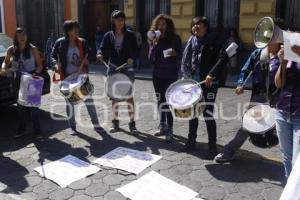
[247, 79]
[106, 65]
[198, 84]
[120, 67]
[82, 62]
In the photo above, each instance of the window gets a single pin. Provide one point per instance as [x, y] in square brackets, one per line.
[2, 24]
[220, 13]
[289, 11]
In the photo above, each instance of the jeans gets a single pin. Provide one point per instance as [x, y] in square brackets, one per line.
[288, 130]
[23, 112]
[210, 95]
[90, 108]
[160, 86]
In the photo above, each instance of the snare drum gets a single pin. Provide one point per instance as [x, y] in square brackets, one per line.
[259, 122]
[185, 99]
[119, 87]
[76, 88]
[31, 89]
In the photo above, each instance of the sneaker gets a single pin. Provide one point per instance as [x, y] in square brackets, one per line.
[132, 128]
[163, 129]
[190, 145]
[223, 158]
[115, 126]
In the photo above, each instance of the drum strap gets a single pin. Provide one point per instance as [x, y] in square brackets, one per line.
[79, 44]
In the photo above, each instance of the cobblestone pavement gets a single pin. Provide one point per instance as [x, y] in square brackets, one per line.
[255, 173]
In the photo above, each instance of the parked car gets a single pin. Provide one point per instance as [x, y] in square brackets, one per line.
[8, 85]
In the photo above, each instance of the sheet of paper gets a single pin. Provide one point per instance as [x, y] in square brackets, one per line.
[290, 39]
[128, 160]
[292, 189]
[67, 170]
[154, 186]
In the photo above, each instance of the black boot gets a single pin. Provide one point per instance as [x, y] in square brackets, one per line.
[169, 135]
[163, 129]
[190, 144]
[115, 126]
[212, 151]
[132, 128]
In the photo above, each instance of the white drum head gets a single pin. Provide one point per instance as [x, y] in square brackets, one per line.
[118, 86]
[259, 119]
[183, 94]
[73, 81]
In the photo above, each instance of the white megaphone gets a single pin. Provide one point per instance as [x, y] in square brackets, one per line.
[267, 32]
[153, 34]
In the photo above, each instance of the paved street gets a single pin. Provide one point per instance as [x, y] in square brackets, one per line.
[255, 174]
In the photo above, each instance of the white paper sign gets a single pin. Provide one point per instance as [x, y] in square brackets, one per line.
[292, 188]
[232, 49]
[154, 186]
[128, 160]
[67, 170]
[290, 39]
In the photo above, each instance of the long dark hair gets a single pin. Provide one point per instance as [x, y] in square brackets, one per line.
[17, 51]
[115, 15]
[170, 31]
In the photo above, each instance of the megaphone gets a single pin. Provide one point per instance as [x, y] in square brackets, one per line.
[267, 32]
[153, 34]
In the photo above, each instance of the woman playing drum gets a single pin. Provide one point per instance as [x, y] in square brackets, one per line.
[68, 57]
[25, 59]
[118, 47]
[203, 60]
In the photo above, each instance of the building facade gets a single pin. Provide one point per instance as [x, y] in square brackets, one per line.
[39, 17]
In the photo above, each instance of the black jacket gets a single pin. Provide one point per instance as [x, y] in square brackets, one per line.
[204, 57]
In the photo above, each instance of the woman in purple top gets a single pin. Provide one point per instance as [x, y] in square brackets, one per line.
[165, 67]
[288, 110]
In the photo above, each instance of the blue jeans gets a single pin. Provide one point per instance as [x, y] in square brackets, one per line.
[288, 130]
[90, 108]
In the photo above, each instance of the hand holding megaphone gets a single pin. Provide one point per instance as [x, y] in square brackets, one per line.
[153, 35]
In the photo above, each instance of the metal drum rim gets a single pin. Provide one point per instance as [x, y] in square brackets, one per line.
[183, 107]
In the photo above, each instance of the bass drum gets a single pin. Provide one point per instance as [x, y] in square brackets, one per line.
[259, 122]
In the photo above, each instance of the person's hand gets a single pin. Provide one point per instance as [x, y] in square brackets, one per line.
[239, 90]
[130, 61]
[58, 69]
[100, 57]
[280, 55]
[208, 81]
[296, 49]
[3, 72]
[173, 53]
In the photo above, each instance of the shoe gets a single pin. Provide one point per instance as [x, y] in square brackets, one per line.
[163, 129]
[223, 158]
[132, 128]
[115, 126]
[38, 135]
[190, 145]
[72, 131]
[212, 152]
[169, 135]
[20, 133]
[99, 129]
